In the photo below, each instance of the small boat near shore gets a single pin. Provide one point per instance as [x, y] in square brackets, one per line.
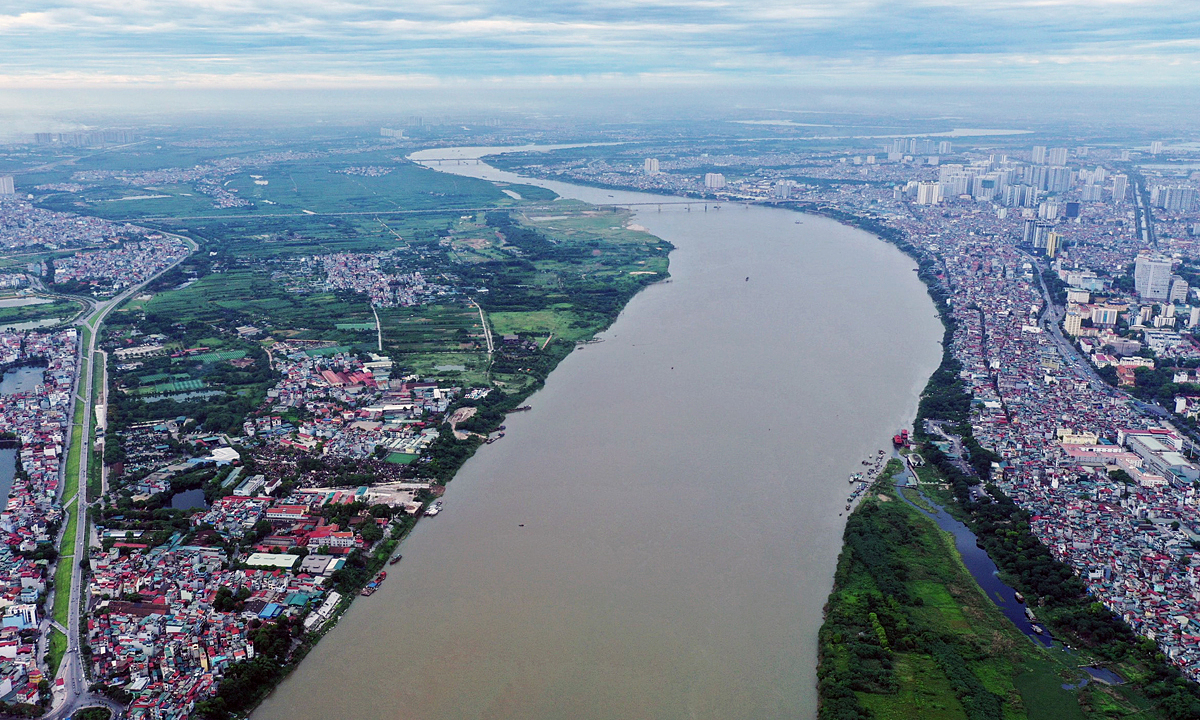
[395, 560]
[374, 584]
[433, 509]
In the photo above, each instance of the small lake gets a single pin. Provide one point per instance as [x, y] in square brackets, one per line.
[8, 472]
[32, 324]
[981, 567]
[21, 380]
[188, 500]
[23, 301]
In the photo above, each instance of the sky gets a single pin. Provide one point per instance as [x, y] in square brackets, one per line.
[239, 44]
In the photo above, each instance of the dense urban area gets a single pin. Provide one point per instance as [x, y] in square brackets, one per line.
[270, 417]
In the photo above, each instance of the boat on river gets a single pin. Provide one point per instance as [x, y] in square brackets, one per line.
[433, 509]
[395, 560]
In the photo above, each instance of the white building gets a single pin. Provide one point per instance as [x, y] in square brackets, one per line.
[1179, 290]
[714, 181]
[929, 193]
[1120, 184]
[650, 166]
[1152, 277]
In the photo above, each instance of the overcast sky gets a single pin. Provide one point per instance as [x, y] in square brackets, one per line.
[340, 43]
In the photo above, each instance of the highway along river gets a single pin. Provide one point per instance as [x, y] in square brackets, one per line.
[679, 487]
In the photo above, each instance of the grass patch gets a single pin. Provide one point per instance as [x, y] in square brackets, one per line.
[562, 323]
[71, 474]
[401, 458]
[1043, 695]
[56, 649]
[62, 584]
[924, 692]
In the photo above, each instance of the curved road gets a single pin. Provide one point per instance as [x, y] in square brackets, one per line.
[74, 694]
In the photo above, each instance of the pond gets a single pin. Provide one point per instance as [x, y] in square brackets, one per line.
[32, 324]
[23, 301]
[21, 380]
[8, 471]
[188, 500]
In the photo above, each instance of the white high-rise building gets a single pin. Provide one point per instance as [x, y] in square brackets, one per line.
[714, 181]
[1120, 183]
[1156, 147]
[1194, 317]
[929, 193]
[1057, 156]
[1179, 290]
[1039, 155]
[6, 185]
[944, 147]
[650, 166]
[1152, 277]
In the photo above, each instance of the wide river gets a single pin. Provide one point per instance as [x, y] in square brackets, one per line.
[657, 537]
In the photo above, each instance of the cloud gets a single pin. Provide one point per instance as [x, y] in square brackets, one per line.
[248, 41]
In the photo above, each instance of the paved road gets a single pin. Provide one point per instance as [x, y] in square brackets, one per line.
[1052, 324]
[75, 694]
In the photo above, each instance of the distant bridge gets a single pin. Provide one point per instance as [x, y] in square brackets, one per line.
[454, 160]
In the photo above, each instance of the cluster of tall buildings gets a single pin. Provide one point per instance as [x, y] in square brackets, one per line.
[898, 148]
[1174, 198]
[6, 185]
[1042, 155]
[85, 139]
[1040, 235]
[998, 179]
